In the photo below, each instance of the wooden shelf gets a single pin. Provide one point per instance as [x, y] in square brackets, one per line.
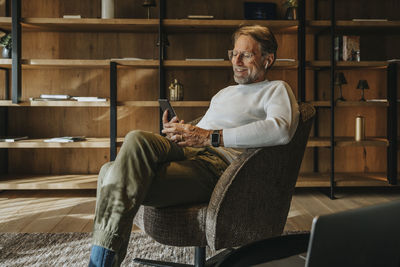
[355, 25]
[342, 179]
[43, 182]
[58, 103]
[5, 23]
[39, 143]
[174, 25]
[345, 141]
[6, 63]
[199, 64]
[351, 103]
[89, 25]
[65, 63]
[153, 104]
[142, 25]
[348, 64]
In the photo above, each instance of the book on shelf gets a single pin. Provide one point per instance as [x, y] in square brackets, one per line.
[68, 98]
[347, 48]
[62, 97]
[200, 17]
[89, 99]
[204, 59]
[72, 16]
[370, 19]
[286, 59]
[11, 139]
[65, 139]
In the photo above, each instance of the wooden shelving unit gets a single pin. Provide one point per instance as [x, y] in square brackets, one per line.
[131, 46]
[329, 20]
[369, 103]
[343, 180]
[348, 64]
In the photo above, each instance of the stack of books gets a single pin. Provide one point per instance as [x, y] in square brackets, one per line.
[65, 139]
[46, 97]
[11, 139]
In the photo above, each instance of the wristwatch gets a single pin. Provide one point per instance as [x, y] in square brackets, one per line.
[215, 138]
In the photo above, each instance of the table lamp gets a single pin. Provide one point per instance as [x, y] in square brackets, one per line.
[339, 80]
[149, 4]
[362, 84]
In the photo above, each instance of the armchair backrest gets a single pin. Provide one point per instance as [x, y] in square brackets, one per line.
[252, 198]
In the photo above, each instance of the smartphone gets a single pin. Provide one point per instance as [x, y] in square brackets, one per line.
[164, 104]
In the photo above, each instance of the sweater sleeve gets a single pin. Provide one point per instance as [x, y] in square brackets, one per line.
[274, 130]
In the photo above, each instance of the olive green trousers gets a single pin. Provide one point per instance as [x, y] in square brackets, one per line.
[150, 170]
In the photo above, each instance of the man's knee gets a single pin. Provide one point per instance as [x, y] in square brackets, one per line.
[136, 137]
[103, 171]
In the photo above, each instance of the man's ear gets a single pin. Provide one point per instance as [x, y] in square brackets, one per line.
[269, 59]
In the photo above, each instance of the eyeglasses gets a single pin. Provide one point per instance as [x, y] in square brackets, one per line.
[246, 56]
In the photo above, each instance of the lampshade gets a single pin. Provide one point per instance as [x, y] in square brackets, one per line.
[149, 3]
[340, 79]
[362, 84]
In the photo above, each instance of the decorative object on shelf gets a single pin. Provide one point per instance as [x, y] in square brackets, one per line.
[6, 43]
[107, 9]
[175, 91]
[359, 134]
[149, 4]
[257, 10]
[291, 9]
[339, 80]
[363, 85]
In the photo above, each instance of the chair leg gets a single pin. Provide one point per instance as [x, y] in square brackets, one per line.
[199, 260]
[217, 258]
[200, 257]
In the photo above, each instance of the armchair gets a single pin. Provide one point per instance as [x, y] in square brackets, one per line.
[250, 202]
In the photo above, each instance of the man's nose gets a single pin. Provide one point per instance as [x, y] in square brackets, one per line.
[238, 60]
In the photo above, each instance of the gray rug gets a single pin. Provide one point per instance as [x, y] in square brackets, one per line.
[73, 249]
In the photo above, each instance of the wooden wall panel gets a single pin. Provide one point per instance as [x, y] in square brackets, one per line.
[137, 118]
[178, 9]
[57, 161]
[137, 84]
[69, 45]
[87, 8]
[43, 122]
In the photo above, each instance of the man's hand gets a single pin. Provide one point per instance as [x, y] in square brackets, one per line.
[173, 120]
[185, 134]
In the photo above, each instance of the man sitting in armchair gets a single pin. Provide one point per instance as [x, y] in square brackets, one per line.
[184, 166]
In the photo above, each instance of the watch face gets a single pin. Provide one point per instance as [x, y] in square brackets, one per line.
[215, 139]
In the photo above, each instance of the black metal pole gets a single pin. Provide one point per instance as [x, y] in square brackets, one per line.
[7, 8]
[161, 57]
[200, 257]
[3, 132]
[392, 123]
[332, 81]
[301, 75]
[16, 50]
[113, 110]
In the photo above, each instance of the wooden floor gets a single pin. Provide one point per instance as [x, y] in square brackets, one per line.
[72, 211]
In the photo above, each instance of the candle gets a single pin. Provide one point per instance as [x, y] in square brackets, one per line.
[107, 9]
[360, 128]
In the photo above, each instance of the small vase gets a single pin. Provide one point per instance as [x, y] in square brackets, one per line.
[291, 13]
[6, 52]
[107, 9]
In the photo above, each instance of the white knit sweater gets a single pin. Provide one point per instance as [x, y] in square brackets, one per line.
[253, 115]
